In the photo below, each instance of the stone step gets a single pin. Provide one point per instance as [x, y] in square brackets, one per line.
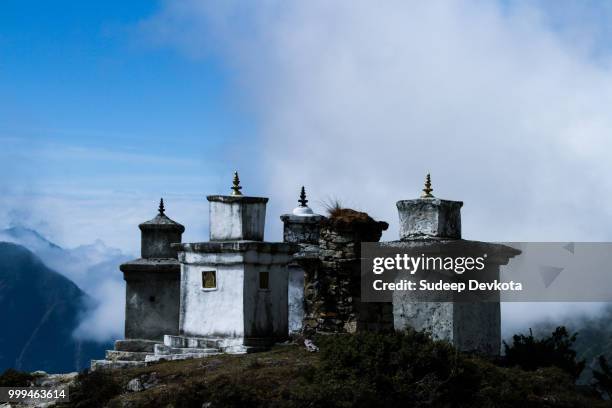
[193, 342]
[137, 345]
[259, 343]
[172, 357]
[114, 355]
[161, 349]
[107, 364]
[220, 343]
[239, 350]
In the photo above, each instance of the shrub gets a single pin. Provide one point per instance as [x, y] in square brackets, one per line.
[531, 353]
[333, 207]
[94, 389]
[370, 369]
[14, 378]
[602, 380]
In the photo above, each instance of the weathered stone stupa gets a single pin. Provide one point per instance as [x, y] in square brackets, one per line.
[152, 282]
[152, 294]
[234, 287]
[474, 326]
[301, 227]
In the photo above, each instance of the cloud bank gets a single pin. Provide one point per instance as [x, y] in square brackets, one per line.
[359, 100]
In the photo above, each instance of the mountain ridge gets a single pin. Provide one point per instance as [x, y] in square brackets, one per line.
[41, 309]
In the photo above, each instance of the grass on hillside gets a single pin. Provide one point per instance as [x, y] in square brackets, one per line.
[360, 370]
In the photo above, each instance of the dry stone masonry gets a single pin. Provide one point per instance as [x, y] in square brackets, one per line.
[333, 278]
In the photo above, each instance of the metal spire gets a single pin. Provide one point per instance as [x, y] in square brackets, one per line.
[427, 190]
[161, 207]
[236, 185]
[303, 199]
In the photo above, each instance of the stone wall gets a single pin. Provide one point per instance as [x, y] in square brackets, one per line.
[237, 306]
[470, 326]
[332, 293]
[152, 281]
[234, 218]
[151, 298]
[301, 229]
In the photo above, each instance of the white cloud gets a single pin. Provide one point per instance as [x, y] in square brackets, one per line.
[100, 193]
[358, 100]
[520, 316]
[74, 218]
[78, 205]
[105, 320]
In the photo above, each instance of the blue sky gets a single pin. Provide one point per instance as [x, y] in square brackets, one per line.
[84, 72]
[106, 106]
[91, 105]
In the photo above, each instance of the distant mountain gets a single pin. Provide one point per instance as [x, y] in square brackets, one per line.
[28, 238]
[39, 311]
[94, 268]
[97, 253]
[86, 265]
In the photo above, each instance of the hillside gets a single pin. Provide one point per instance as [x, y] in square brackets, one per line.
[349, 371]
[40, 310]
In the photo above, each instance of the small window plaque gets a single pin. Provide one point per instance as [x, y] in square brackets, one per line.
[264, 280]
[209, 279]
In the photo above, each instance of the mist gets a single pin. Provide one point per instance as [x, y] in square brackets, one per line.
[359, 101]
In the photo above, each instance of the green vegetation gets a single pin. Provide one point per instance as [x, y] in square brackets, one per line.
[95, 389]
[363, 370]
[14, 378]
[602, 378]
[531, 353]
[595, 339]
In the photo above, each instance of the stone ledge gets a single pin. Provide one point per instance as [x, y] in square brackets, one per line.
[175, 357]
[115, 355]
[307, 252]
[237, 199]
[495, 252]
[162, 349]
[151, 265]
[201, 342]
[138, 345]
[238, 246]
[302, 219]
[107, 365]
[429, 201]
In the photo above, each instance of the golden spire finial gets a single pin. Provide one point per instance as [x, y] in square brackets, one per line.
[427, 190]
[236, 185]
